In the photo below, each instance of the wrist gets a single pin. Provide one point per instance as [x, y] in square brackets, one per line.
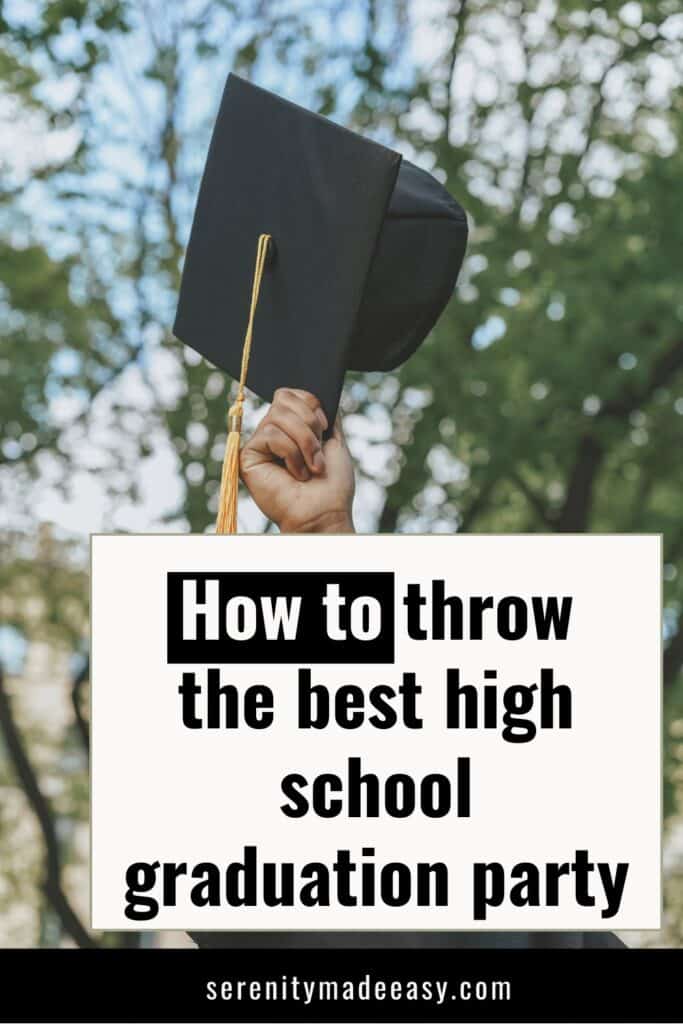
[334, 521]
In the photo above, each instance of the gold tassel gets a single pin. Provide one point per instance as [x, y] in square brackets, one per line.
[226, 520]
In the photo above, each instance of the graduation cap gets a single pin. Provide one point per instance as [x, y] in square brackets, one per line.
[357, 253]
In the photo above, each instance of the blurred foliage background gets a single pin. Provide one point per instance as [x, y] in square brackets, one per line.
[549, 397]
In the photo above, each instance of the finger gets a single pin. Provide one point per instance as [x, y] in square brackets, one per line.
[300, 433]
[269, 439]
[310, 400]
[314, 419]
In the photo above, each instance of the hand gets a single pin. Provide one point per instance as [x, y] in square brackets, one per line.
[313, 491]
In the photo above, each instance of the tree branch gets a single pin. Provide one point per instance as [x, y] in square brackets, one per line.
[478, 503]
[528, 123]
[590, 456]
[79, 681]
[575, 512]
[535, 500]
[457, 36]
[663, 368]
[673, 658]
[45, 817]
[388, 519]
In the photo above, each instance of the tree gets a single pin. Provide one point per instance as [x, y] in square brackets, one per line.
[550, 397]
[61, 342]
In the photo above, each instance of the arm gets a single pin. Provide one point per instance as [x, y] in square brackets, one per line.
[313, 491]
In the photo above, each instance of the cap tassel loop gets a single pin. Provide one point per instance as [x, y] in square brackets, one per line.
[226, 520]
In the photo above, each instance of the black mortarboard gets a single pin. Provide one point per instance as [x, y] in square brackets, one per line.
[365, 254]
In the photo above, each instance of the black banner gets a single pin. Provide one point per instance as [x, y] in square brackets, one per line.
[572, 985]
[280, 618]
